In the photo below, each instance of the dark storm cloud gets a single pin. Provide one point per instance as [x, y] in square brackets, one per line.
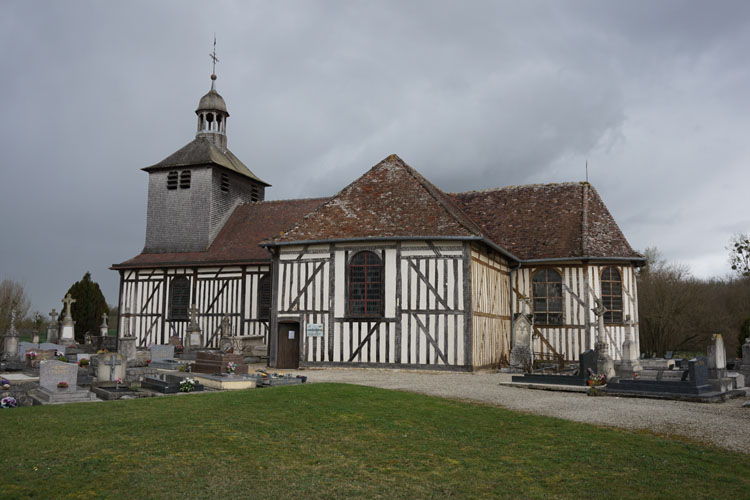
[472, 94]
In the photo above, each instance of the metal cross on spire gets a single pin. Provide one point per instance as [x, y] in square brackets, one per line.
[215, 60]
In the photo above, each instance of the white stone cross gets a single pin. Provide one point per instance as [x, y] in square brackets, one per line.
[53, 315]
[68, 300]
[104, 319]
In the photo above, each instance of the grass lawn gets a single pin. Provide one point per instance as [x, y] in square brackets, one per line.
[342, 441]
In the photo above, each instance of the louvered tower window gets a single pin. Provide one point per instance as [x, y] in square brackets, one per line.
[185, 179]
[172, 180]
[548, 303]
[365, 285]
[612, 295]
[224, 183]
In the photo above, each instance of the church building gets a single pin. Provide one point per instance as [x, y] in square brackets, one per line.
[389, 272]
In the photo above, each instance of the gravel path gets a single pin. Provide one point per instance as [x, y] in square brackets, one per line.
[726, 425]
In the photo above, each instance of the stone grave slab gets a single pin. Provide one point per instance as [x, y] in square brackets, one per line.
[227, 382]
[216, 362]
[166, 383]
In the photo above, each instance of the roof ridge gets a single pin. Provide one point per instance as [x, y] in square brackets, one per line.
[518, 186]
[289, 200]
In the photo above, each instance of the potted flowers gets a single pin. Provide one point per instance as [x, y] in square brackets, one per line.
[5, 383]
[8, 402]
[231, 367]
[596, 378]
[187, 385]
[62, 386]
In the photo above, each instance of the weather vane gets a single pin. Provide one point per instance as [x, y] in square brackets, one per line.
[215, 60]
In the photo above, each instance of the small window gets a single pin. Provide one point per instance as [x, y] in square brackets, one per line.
[185, 179]
[179, 298]
[224, 183]
[264, 297]
[548, 302]
[365, 285]
[612, 295]
[172, 180]
[254, 193]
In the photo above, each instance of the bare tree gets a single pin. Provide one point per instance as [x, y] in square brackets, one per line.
[12, 298]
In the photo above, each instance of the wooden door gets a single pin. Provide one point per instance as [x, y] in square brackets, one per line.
[288, 347]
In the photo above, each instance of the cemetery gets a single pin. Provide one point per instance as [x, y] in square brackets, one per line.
[108, 368]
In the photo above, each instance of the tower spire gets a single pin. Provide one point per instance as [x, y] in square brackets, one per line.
[215, 60]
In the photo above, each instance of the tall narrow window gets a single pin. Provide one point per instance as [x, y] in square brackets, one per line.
[224, 183]
[365, 285]
[172, 180]
[185, 179]
[612, 295]
[264, 297]
[179, 298]
[548, 304]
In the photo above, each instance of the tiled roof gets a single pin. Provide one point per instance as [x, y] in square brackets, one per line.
[391, 200]
[238, 240]
[202, 152]
[546, 221]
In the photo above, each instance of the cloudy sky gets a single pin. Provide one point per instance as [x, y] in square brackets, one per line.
[654, 95]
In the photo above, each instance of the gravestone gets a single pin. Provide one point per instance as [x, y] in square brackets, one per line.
[586, 361]
[104, 327]
[521, 355]
[629, 365]
[174, 340]
[193, 336]
[161, 352]
[110, 366]
[717, 357]
[698, 371]
[126, 347]
[10, 340]
[166, 383]
[52, 328]
[51, 373]
[745, 366]
[522, 330]
[604, 363]
[67, 332]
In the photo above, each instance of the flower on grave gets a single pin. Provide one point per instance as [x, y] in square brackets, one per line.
[5, 383]
[178, 349]
[83, 362]
[32, 355]
[118, 380]
[187, 385]
[231, 367]
[62, 358]
[62, 385]
[8, 402]
[597, 378]
[59, 353]
[102, 351]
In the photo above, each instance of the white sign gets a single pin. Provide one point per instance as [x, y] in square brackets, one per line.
[291, 334]
[315, 329]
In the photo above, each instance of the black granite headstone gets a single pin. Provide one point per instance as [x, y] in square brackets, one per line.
[587, 360]
[698, 369]
[669, 355]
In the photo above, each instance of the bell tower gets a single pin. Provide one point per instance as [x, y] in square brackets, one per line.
[192, 192]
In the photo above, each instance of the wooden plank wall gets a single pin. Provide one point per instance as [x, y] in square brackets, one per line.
[216, 291]
[490, 293]
[581, 284]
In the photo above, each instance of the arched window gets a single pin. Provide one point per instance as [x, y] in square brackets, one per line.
[548, 303]
[365, 285]
[612, 295]
[264, 297]
[179, 298]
